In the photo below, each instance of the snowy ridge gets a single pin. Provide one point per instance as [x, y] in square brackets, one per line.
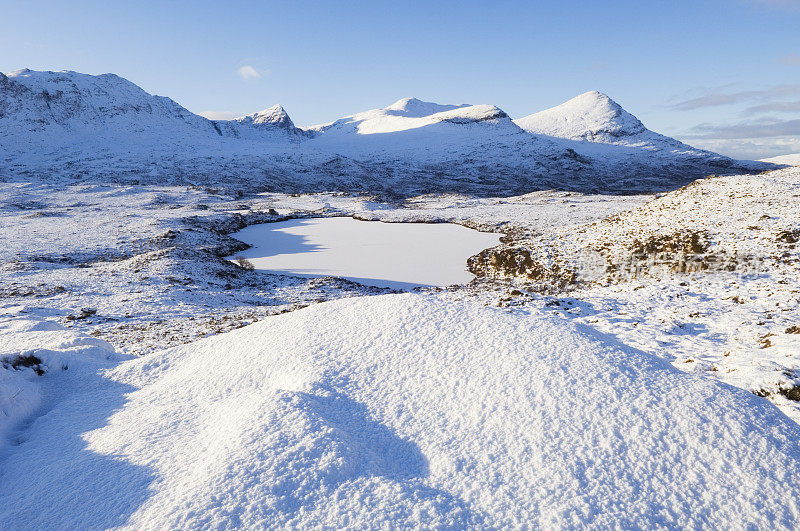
[364, 412]
[411, 113]
[415, 108]
[105, 127]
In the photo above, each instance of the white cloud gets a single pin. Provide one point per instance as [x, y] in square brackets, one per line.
[247, 72]
[219, 115]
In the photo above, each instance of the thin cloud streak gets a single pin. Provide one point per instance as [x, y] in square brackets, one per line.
[760, 129]
[778, 106]
[730, 98]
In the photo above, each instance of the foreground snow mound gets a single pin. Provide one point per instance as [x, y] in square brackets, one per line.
[405, 410]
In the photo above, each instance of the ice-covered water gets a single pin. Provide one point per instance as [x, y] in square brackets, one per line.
[395, 255]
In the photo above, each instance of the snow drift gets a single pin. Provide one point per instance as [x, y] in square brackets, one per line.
[403, 410]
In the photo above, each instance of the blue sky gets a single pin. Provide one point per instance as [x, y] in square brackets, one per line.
[718, 74]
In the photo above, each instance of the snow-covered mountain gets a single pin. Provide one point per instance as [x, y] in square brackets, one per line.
[592, 116]
[33, 102]
[88, 127]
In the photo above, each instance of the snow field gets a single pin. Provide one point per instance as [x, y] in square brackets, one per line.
[405, 410]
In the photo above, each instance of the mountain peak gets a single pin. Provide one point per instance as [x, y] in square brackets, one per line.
[589, 116]
[595, 95]
[402, 103]
[275, 116]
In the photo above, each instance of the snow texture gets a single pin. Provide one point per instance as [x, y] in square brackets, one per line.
[402, 410]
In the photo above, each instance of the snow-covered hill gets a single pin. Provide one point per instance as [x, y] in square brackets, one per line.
[105, 127]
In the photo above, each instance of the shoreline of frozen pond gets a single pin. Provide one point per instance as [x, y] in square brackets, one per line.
[389, 255]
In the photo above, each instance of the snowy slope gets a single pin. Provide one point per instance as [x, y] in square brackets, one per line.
[791, 160]
[104, 127]
[707, 276]
[402, 410]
